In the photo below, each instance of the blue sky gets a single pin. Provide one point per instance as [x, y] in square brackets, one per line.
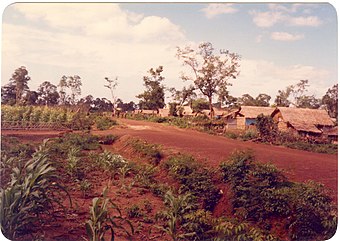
[279, 43]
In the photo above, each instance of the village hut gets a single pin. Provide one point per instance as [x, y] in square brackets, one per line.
[164, 112]
[186, 111]
[306, 122]
[245, 116]
[148, 112]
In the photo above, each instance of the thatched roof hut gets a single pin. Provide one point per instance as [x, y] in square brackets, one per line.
[302, 120]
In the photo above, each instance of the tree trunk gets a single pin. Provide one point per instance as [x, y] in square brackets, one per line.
[211, 108]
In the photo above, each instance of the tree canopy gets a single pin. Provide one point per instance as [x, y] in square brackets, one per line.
[210, 72]
[153, 97]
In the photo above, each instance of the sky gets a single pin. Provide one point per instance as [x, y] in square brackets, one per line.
[279, 44]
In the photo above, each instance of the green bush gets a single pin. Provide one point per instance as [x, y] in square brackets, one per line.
[108, 139]
[262, 192]
[194, 179]
[104, 122]
[150, 151]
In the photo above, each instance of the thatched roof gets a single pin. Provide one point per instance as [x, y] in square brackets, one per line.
[187, 111]
[305, 119]
[331, 132]
[252, 112]
[220, 111]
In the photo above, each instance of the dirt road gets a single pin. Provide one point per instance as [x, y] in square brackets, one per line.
[299, 165]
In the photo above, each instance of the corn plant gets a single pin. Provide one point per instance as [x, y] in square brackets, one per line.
[29, 194]
[177, 207]
[72, 161]
[100, 220]
[85, 186]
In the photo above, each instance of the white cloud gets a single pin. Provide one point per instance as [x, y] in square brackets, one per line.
[258, 38]
[261, 76]
[93, 43]
[284, 15]
[266, 19]
[284, 36]
[216, 9]
[312, 21]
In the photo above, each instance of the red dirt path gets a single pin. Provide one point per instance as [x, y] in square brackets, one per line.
[299, 165]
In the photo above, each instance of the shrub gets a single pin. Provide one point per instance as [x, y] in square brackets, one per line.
[266, 127]
[262, 192]
[150, 151]
[104, 122]
[249, 135]
[194, 178]
[108, 139]
[80, 121]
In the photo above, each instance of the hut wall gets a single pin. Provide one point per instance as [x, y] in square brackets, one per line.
[241, 123]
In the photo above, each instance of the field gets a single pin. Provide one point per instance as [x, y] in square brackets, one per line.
[149, 167]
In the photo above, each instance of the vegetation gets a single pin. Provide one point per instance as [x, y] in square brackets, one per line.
[153, 97]
[261, 193]
[147, 150]
[211, 72]
[100, 220]
[29, 194]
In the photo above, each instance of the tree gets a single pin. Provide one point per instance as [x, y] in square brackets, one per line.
[291, 94]
[112, 84]
[30, 98]
[20, 79]
[48, 94]
[8, 94]
[247, 100]
[308, 101]
[153, 97]
[200, 104]
[187, 94]
[262, 100]
[330, 100]
[266, 127]
[73, 83]
[131, 106]
[210, 72]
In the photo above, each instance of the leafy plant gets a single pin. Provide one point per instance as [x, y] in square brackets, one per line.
[134, 211]
[100, 220]
[262, 192]
[85, 187]
[176, 208]
[150, 151]
[104, 122]
[30, 194]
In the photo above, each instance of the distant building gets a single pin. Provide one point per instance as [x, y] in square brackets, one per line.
[306, 122]
[245, 116]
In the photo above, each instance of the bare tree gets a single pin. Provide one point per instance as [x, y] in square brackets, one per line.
[112, 84]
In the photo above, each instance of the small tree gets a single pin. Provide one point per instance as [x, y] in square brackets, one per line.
[48, 94]
[112, 84]
[153, 97]
[210, 72]
[330, 100]
[266, 127]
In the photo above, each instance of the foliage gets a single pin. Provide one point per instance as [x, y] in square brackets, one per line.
[80, 121]
[261, 192]
[13, 148]
[176, 208]
[211, 72]
[200, 104]
[104, 122]
[29, 194]
[153, 98]
[47, 94]
[108, 139]
[134, 211]
[101, 221]
[266, 127]
[148, 150]
[187, 94]
[73, 84]
[330, 100]
[194, 179]
[109, 161]
[248, 100]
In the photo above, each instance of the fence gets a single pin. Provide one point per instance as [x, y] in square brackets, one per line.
[19, 125]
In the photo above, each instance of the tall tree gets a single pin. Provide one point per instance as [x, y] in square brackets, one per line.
[210, 72]
[330, 100]
[74, 83]
[20, 79]
[112, 84]
[308, 101]
[153, 97]
[48, 94]
[62, 90]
